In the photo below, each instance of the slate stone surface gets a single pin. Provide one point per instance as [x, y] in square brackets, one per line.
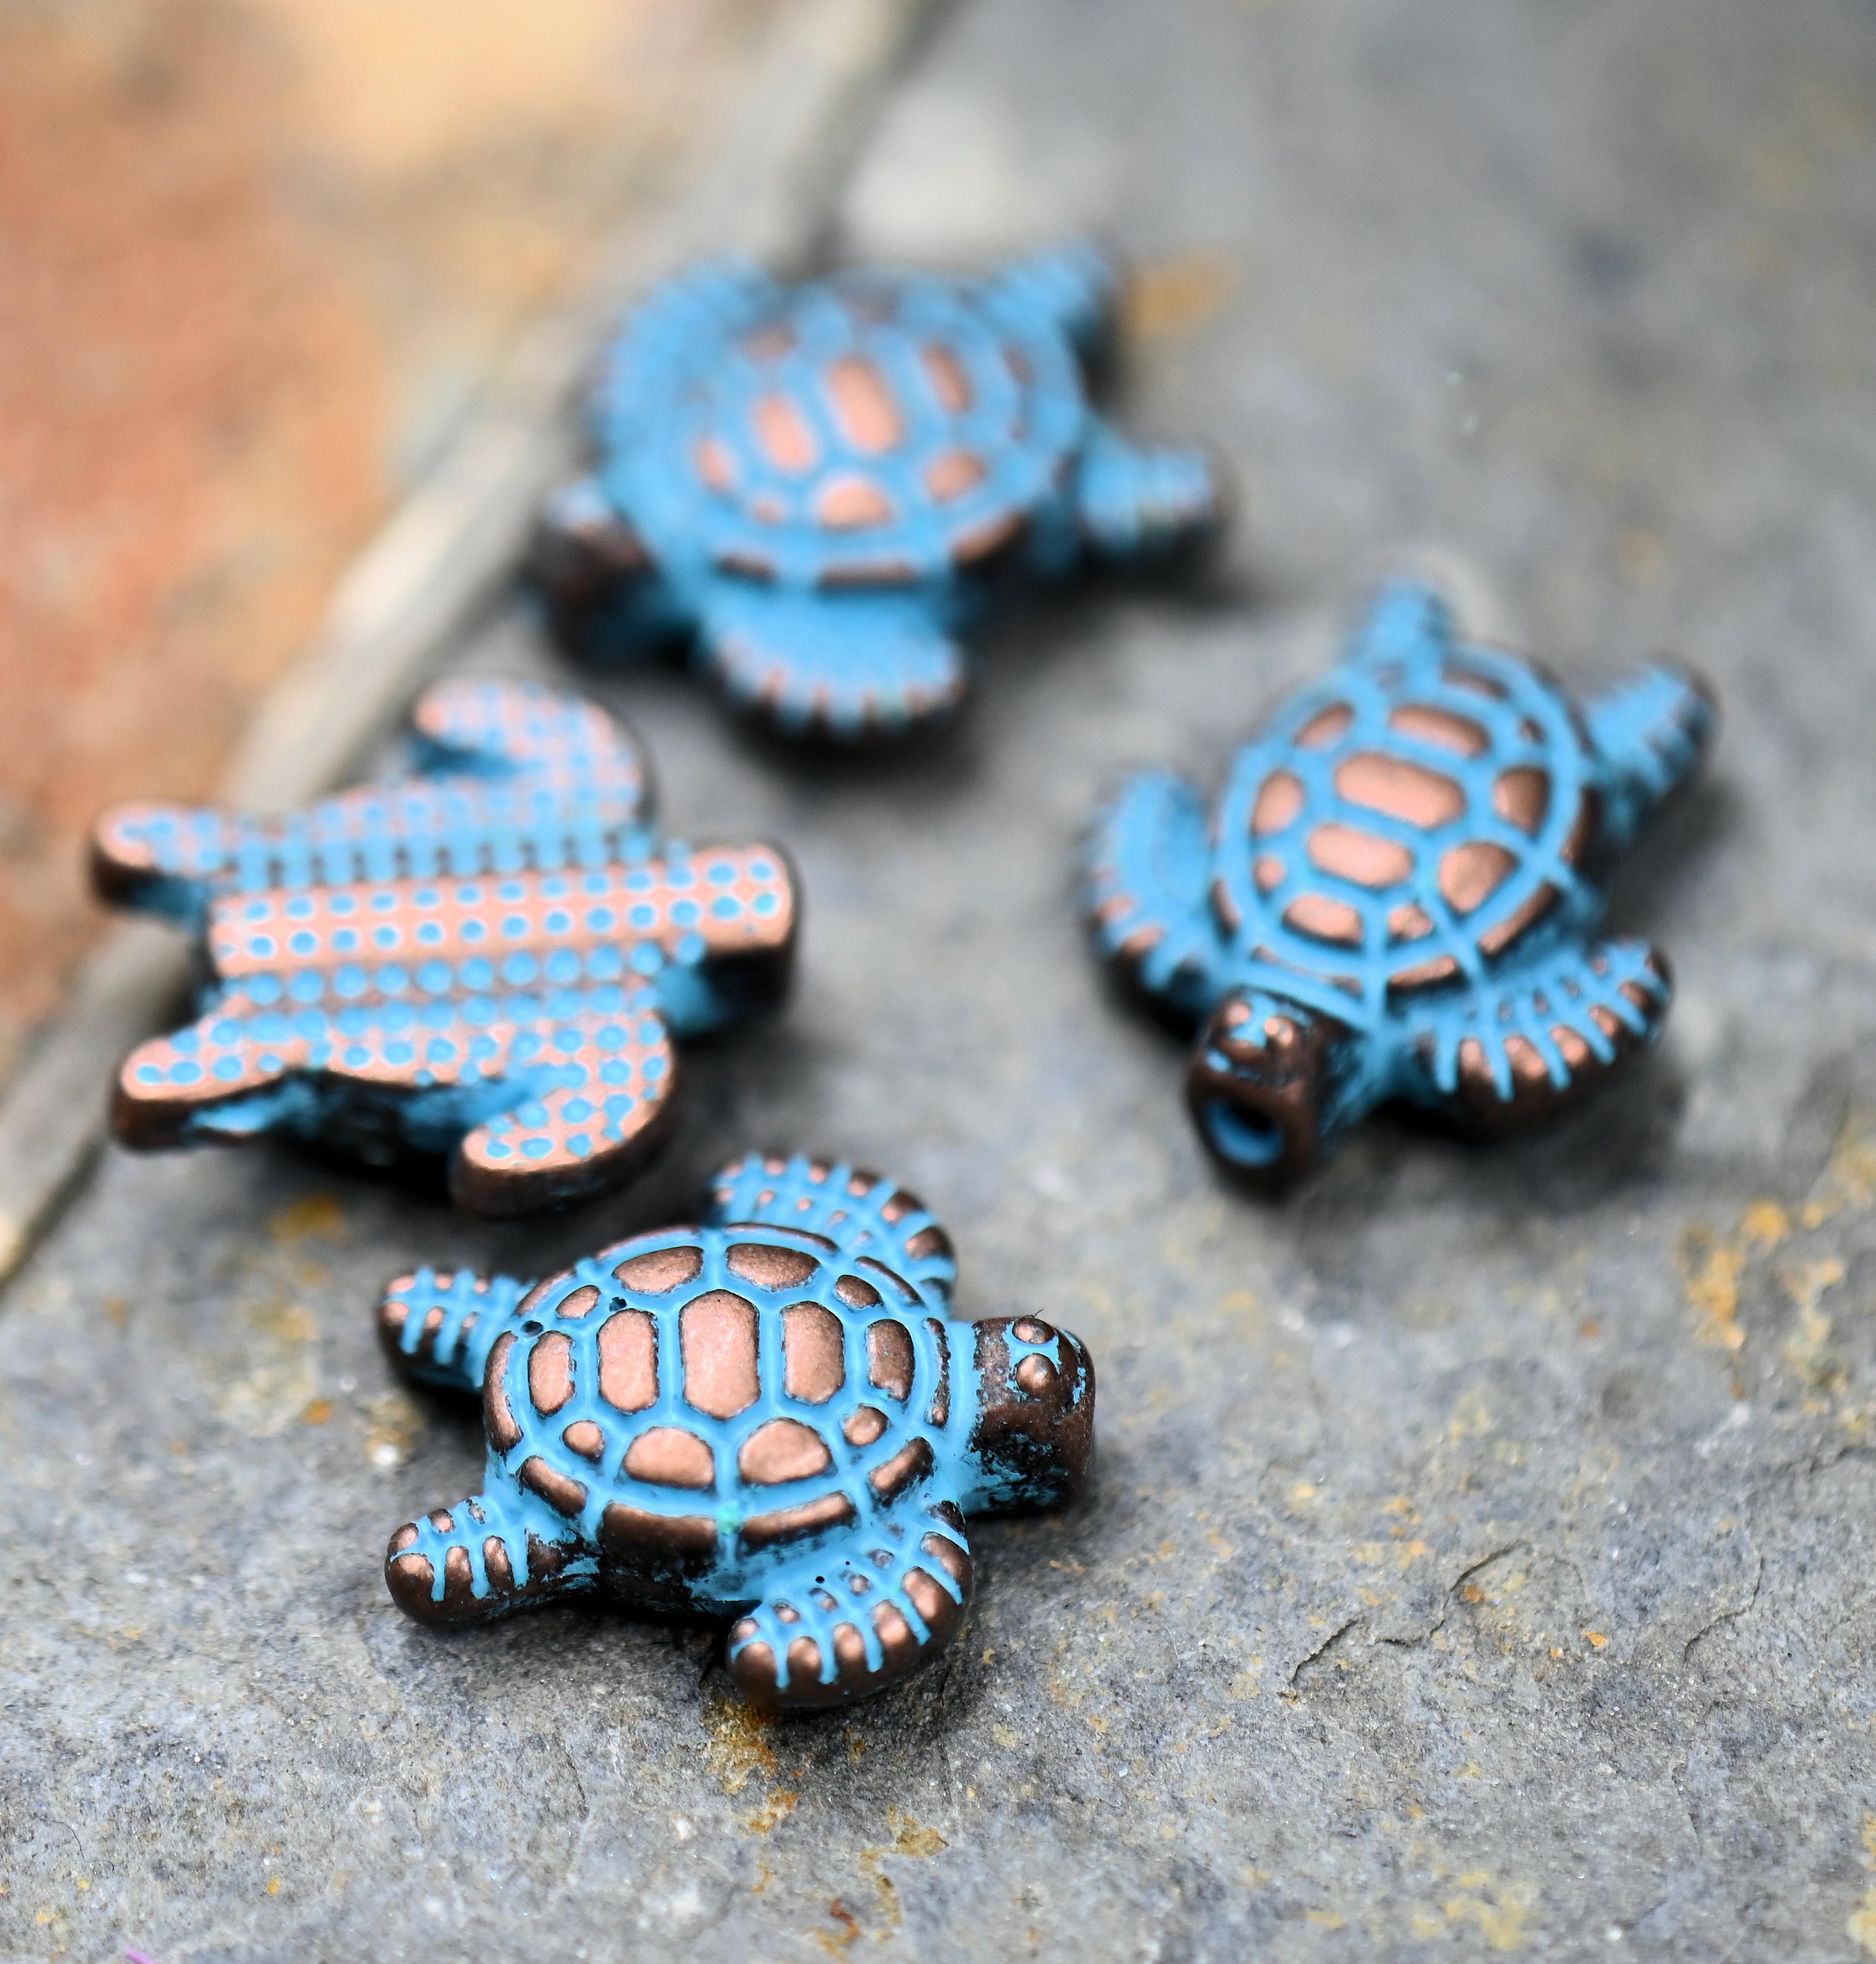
[1482, 1556]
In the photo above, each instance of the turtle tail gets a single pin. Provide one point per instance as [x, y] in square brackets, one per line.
[864, 1212]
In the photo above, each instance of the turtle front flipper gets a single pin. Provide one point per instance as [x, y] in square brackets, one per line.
[1650, 733]
[863, 1211]
[858, 1616]
[1146, 863]
[1136, 502]
[1273, 1085]
[1516, 1046]
[439, 1329]
[483, 1557]
[850, 667]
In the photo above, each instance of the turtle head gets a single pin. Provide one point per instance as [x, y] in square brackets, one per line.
[1033, 1441]
[1272, 1084]
[588, 563]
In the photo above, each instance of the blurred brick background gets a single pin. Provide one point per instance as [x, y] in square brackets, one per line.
[256, 257]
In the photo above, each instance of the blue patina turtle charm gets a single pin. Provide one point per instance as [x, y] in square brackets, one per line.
[485, 959]
[810, 479]
[770, 1416]
[1395, 895]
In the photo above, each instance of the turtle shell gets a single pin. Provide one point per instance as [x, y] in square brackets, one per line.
[874, 430]
[723, 1393]
[1405, 825]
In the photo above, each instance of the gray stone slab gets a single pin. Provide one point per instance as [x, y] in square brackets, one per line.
[1481, 1556]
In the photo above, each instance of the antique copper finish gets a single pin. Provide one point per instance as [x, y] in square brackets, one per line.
[662, 1436]
[663, 1269]
[670, 1456]
[1396, 894]
[629, 1358]
[487, 959]
[813, 1345]
[813, 477]
[718, 1333]
[784, 1449]
[889, 1359]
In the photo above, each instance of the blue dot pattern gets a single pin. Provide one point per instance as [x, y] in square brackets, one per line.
[487, 958]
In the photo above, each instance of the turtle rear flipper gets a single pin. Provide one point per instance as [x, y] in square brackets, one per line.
[1651, 732]
[865, 1213]
[1519, 1046]
[605, 1115]
[848, 667]
[857, 1617]
[1148, 859]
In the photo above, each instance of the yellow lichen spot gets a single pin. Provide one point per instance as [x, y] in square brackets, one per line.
[1710, 1269]
[1594, 1639]
[319, 1217]
[1176, 297]
[1325, 1919]
[319, 1412]
[834, 1944]
[1245, 1684]
[396, 1421]
[1006, 1736]
[908, 1838]
[1861, 1926]
[1470, 1418]
[1501, 1911]
[778, 1807]
[740, 1743]
[1764, 1224]
[1302, 1491]
[118, 1309]
[273, 1885]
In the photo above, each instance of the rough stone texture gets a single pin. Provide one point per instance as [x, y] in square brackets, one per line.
[1481, 1551]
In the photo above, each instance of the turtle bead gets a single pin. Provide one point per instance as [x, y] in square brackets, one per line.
[1396, 895]
[485, 959]
[810, 481]
[770, 1416]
